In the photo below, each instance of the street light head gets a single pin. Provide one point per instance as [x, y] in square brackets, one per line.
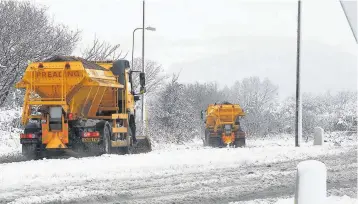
[150, 28]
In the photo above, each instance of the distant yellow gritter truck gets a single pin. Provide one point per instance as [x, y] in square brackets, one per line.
[78, 106]
[222, 125]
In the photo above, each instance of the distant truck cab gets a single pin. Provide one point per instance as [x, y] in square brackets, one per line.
[222, 125]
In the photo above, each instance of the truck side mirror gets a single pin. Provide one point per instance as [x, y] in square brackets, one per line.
[130, 76]
[202, 115]
[142, 90]
[142, 79]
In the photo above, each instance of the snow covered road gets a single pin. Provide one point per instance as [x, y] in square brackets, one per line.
[186, 174]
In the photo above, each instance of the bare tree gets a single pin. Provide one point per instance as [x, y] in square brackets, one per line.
[204, 94]
[154, 77]
[102, 50]
[172, 114]
[252, 92]
[257, 98]
[26, 34]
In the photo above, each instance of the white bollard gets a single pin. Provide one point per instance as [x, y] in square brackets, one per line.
[311, 187]
[318, 136]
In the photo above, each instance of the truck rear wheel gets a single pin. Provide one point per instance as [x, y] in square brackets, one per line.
[29, 151]
[105, 145]
[207, 138]
[214, 141]
[107, 139]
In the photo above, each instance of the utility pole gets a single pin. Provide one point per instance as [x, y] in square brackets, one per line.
[143, 99]
[350, 11]
[298, 129]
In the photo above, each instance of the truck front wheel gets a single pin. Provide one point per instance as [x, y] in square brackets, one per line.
[129, 149]
[104, 129]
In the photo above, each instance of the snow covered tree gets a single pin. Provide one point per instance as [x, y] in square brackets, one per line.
[332, 112]
[257, 98]
[27, 34]
[171, 115]
[205, 94]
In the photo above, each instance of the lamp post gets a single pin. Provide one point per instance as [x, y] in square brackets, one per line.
[150, 29]
[298, 129]
[143, 29]
[350, 11]
[147, 28]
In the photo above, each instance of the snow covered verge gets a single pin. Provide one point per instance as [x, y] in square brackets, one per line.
[330, 200]
[76, 178]
[9, 132]
[10, 145]
[337, 139]
[166, 162]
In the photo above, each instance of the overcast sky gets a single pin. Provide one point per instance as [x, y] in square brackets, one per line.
[192, 33]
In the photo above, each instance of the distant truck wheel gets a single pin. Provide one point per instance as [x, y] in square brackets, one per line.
[29, 151]
[215, 141]
[240, 142]
[207, 138]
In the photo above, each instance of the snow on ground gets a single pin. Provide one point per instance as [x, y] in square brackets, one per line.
[168, 161]
[330, 200]
[184, 166]
[331, 139]
[12, 174]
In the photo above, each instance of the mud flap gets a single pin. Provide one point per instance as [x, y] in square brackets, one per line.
[55, 143]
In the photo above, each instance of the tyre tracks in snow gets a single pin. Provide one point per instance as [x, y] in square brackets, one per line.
[218, 184]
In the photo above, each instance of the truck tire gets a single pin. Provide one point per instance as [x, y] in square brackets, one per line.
[29, 151]
[129, 148]
[207, 139]
[240, 142]
[107, 139]
[105, 131]
[214, 141]
[133, 128]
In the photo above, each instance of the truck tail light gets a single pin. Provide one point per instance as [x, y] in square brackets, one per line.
[90, 134]
[70, 116]
[27, 136]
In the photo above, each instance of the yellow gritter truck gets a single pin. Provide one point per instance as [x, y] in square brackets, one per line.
[222, 125]
[74, 105]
